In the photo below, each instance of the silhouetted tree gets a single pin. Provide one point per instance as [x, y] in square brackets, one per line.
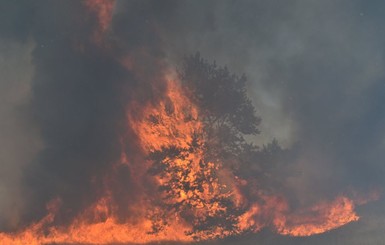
[228, 116]
[225, 109]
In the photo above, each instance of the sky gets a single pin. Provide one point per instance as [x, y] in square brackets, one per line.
[315, 74]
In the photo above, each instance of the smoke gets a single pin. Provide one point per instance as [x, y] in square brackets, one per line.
[316, 72]
[19, 138]
[80, 91]
[315, 76]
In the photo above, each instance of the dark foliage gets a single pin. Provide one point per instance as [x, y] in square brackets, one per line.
[226, 110]
[228, 116]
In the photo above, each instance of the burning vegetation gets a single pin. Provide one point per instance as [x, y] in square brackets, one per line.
[185, 153]
[193, 143]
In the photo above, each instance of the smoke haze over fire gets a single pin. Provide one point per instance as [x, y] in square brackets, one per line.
[114, 130]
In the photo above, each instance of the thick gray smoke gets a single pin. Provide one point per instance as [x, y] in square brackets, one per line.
[19, 139]
[79, 93]
[315, 72]
[317, 79]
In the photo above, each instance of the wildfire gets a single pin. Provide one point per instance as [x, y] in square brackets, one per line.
[195, 200]
[318, 219]
[104, 232]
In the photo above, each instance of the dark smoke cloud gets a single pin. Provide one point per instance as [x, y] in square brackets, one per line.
[80, 91]
[75, 105]
[315, 70]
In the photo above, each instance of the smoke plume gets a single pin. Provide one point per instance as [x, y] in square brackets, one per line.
[97, 102]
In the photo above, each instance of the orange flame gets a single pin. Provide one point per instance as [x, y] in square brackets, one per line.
[174, 123]
[318, 219]
[104, 232]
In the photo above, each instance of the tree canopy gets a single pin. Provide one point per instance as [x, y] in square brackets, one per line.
[193, 189]
[226, 110]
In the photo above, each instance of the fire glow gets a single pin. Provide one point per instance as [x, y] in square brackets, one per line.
[191, 198]
[196, 184]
